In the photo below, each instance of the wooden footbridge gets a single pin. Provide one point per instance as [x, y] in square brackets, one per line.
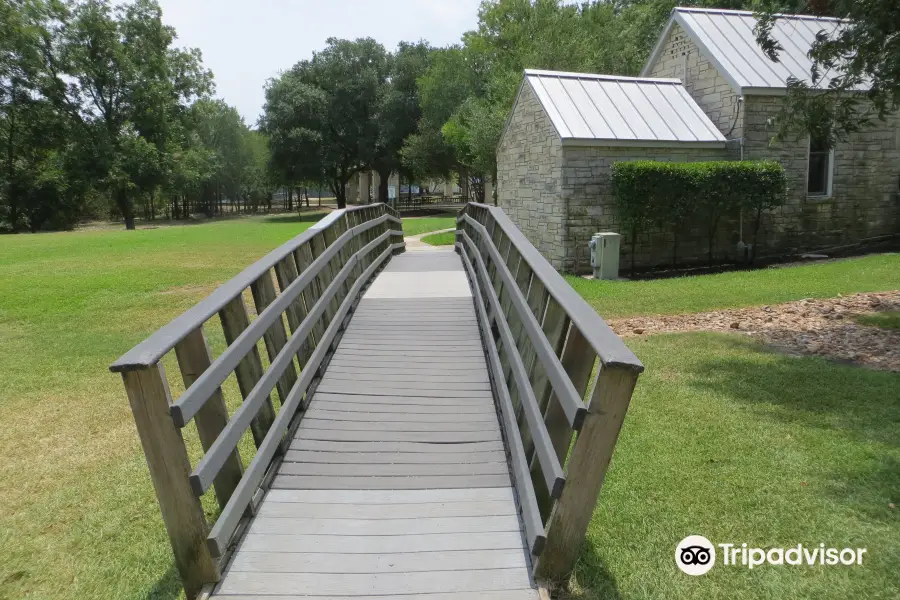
[420, 422]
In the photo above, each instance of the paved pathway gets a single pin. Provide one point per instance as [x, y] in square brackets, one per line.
[416, 244]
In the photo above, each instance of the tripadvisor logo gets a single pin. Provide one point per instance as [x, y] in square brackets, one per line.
[696, 555]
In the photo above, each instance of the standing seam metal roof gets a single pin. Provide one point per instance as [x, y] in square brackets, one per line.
[631, 110]
[727, 36]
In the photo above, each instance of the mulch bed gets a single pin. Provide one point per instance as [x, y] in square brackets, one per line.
[806, 327]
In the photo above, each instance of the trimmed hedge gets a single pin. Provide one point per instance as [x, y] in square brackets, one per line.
[656, 194]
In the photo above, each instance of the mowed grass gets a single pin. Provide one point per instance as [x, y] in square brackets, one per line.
[885, 320]
[730, 440]
[419, 225]
[79, 516]
[614, 299]
[737, 443]
[440, 239]
[724, 438]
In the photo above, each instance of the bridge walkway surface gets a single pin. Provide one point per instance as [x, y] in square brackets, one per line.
[396, 482]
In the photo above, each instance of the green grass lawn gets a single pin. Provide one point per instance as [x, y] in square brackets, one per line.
[885, 320]
[732, 441]
[723, 438]
[614, 299]
[79, 516]
[728, 440]
[440, 239]
[419, 225]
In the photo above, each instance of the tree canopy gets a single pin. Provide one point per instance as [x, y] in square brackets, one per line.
[101, 114]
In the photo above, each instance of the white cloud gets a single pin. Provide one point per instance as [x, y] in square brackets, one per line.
[247, 42]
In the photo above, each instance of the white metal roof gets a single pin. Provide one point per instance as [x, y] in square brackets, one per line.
[611, 110]
[726, 37]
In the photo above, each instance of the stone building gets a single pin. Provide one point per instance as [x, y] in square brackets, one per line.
[558, 191]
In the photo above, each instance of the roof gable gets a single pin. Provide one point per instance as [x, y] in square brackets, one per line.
[590, 109]
[726, 38]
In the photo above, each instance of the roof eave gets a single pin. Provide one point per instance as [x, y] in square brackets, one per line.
[594, 142]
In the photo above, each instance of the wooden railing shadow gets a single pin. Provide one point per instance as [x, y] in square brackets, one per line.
[543, 342]
[321, 275]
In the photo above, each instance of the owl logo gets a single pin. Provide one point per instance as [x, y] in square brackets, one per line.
[695, 555]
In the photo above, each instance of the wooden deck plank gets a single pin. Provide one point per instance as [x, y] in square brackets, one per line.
[425, 408]
[369, 416]
[373, 544]
[298, 482]
[412, 447]
[523, 594]
[433, 438]
[425, 383]
[349, 388]
[377, 424]
[382, 361]
[392, 469]
[406, 562]
[393, 458]
[392, 496]
[352, 584]
[382, 527]
[485, 508]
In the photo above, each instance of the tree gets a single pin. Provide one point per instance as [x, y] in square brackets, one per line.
[129, 83]
[34, 186]
[321, 115]
[398, 111]
[855, 73]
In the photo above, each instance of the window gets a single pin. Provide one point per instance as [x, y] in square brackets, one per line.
[819, 168]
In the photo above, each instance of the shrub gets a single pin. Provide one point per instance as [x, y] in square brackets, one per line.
[651, 193]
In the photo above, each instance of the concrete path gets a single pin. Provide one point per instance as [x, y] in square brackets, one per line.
[416, 244]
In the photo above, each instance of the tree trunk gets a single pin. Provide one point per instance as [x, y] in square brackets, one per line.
[12, 195]
[383, 177]
[126, 208]
[290, 199]
[338, 188]
[306, 195]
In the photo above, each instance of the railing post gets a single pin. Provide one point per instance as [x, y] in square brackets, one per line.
[194, 357]
[276, 338]
[585, 472]
[249, 371]
[149, 396]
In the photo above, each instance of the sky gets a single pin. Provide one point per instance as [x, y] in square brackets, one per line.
[247, 42]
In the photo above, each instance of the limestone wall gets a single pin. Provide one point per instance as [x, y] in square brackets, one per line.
[529, 163]
[864, 202]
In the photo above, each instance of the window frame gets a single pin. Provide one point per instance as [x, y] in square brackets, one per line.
[829, 176]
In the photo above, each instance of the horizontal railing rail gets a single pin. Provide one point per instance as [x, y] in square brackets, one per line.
[543, 342]
[321, 275]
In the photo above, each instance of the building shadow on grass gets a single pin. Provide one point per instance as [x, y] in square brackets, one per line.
[595, 581]
[167, 587]
[859, 404]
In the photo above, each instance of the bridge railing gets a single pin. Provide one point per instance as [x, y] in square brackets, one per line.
[321, 274]
[544, 343]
